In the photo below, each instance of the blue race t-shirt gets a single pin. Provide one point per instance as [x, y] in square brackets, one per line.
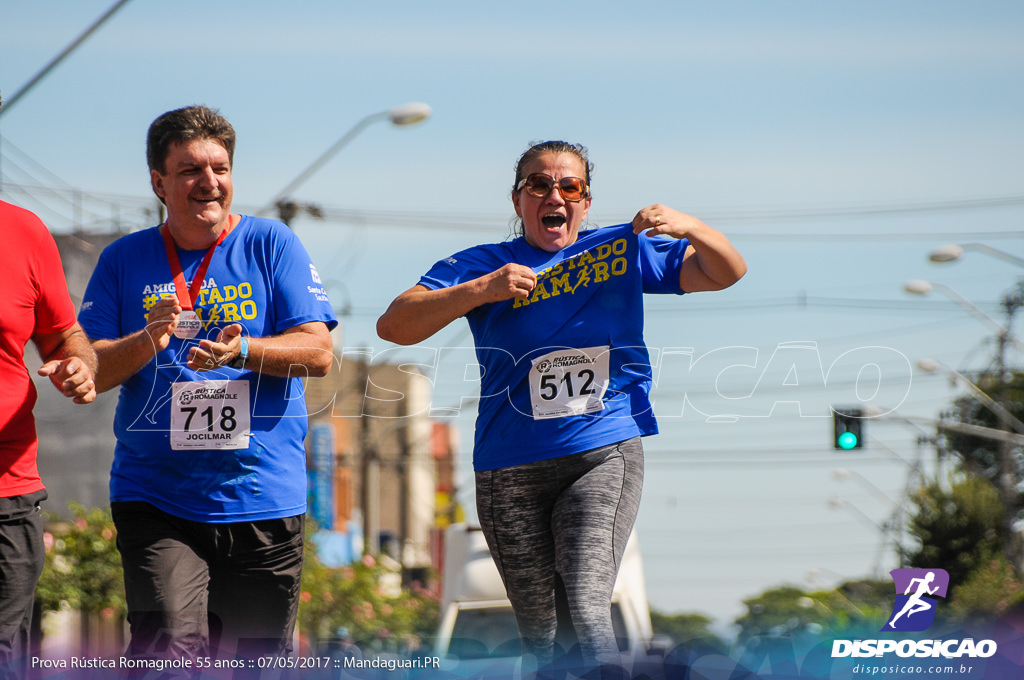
[565, 370]
[261, 277]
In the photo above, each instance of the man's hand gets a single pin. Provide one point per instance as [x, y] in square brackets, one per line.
[73, 377]
[213, 354]
[161, 320]
[69, 363]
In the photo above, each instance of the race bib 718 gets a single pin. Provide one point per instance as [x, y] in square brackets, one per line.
[210, 414]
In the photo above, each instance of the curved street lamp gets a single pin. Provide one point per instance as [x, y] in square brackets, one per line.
[934, 366]
[954, 251]
[922, 287]
[406, 114]
[1007, 479]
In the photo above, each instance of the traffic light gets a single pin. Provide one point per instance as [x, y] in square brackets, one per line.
[848, 424]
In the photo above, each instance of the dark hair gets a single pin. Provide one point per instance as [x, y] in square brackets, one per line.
[539, 149]
[185, 125]
[553, 146]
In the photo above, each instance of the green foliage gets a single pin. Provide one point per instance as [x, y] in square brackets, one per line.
[979, 455]
[366, 601]
[993, 588]
[686, 629]
[83, 567]
[958, 526]
[853, 608]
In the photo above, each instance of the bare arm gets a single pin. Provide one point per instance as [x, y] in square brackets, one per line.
[710, 263]
[122, 358]
[308, 345]
[69, 362]
[419, 312]
[303, 350]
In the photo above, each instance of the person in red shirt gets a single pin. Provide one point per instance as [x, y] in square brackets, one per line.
[34, 305]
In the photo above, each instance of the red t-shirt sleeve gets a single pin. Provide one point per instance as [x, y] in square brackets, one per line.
[54, 309]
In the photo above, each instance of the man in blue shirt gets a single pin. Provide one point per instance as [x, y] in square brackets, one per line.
[207, 323]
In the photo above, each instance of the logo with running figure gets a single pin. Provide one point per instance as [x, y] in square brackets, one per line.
[915, 609]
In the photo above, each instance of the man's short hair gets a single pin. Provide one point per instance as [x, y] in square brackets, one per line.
[183, 126]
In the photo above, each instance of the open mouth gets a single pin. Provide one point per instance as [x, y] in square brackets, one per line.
[553, 221]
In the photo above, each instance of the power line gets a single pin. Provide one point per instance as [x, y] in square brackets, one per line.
[62, 195]
[6, 145]
[55, 203]
[797, 300]
[60, 57]
[802, 300]
[871, 210]
[787, 551]
[485, 221]
[758, 529]
[758, 463]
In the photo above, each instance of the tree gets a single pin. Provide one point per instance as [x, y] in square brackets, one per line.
[979, 454]
[364, 603]
[82, 570]
[686, 629]
[785, 623]
[853, 608]
[1000, 463]
[958, 525]
[993, 588]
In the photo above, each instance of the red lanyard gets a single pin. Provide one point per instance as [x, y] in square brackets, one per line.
[186, 294]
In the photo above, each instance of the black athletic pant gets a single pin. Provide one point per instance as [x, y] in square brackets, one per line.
[21, 562]
[198, 589]
[571, 516]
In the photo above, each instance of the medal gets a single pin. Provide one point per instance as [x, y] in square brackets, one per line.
[188, 325]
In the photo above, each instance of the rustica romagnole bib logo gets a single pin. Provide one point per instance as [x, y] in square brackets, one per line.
[916, 590]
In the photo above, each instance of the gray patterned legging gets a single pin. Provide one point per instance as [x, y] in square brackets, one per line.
[571, 515]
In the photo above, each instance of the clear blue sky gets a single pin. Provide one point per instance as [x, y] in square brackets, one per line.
[836, 143]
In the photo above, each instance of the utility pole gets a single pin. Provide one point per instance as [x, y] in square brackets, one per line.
[370, 468]
[1007, 476]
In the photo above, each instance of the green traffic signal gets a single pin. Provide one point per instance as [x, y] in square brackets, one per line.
[847, 441]
[848, 424]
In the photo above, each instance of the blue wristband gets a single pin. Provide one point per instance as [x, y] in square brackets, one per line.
[243, 354]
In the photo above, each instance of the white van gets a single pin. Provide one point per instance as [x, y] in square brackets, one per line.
[476, 617]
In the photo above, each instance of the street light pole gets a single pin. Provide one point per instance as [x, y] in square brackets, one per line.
[1006, 480]
[931, 366]
[1007, 475]
[922, 287]
[407, 114]
[954, 251]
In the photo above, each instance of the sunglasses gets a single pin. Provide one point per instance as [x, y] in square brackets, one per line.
[538, 184]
